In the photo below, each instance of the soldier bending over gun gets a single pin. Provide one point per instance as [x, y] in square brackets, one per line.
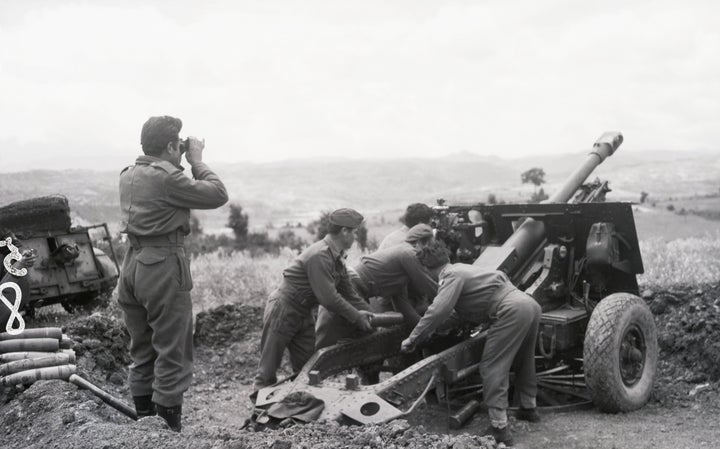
[386, 273]
[479, 296]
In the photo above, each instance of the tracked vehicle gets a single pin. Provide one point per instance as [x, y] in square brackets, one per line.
[575, 254]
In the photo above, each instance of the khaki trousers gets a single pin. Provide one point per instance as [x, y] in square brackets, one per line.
[286, 325]
[510, 344]
[154, 295]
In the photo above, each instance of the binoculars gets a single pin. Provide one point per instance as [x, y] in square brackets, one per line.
[184, 145]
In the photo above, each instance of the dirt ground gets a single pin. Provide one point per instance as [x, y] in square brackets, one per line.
[682, 412]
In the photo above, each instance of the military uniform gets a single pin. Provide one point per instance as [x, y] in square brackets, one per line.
[155, 282]
[317, 276]
[386, 273]
[481, 296]
[397, 237]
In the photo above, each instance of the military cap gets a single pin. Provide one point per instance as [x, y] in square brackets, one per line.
[348, 218]
[157, 132]
[418, 232]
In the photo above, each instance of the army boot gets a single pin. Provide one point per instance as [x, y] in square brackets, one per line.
[528, 414]
[172, 415]
[501, 435]
[144, 406]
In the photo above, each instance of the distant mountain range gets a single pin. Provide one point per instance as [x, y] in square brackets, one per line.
[297, 190]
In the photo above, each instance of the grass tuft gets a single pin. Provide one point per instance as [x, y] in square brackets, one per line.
[687, 261]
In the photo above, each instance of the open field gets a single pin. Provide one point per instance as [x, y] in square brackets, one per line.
[55, 414]
[681, 284]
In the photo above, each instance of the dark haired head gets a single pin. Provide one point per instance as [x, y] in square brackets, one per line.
[417, 213]
[157, 132]
[434, 255]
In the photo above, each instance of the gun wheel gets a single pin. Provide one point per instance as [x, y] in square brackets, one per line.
[620, 353]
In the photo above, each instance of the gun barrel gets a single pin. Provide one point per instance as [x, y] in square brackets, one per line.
[603, 148]
[528, 236]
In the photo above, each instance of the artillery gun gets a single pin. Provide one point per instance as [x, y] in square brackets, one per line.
[575, 254]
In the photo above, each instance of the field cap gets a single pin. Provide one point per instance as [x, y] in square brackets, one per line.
[349, 218]
[418, 232]
[157, 132]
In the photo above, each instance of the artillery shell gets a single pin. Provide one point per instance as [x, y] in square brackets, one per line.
[30, 344]
[27, 377]
[12, 356]
[44, 332]
[386, 319]
[26, 364]
[104, 395]
[464, 414]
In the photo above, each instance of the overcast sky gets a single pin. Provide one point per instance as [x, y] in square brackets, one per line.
[269, 80]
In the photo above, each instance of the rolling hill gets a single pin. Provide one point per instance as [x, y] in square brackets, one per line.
[296, 190]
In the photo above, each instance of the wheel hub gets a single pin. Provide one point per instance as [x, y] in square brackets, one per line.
[632, 355]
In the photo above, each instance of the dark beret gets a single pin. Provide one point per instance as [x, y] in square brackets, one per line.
[418, 232]
[348, 218]
[157, 132]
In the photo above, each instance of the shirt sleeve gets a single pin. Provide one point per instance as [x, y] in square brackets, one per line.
[319, 269]
[440, 309]
[347, 291]
[206, 191]
[420, 278]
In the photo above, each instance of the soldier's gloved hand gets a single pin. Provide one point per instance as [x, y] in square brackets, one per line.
[407, 346]
[364, 324]
[195, 150]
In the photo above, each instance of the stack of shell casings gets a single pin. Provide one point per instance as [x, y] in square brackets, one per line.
[35, 354]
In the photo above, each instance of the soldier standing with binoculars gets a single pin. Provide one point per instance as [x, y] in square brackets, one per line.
[155, 282]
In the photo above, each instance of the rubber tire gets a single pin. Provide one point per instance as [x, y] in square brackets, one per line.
[601, 352]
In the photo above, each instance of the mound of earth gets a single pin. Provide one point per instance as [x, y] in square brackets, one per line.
[688, 323]
[226, 324]
[227, 344]
[101, 344]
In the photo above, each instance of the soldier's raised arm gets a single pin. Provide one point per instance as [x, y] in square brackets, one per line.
[205, 191]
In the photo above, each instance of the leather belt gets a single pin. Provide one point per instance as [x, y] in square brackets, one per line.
[176, 238]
